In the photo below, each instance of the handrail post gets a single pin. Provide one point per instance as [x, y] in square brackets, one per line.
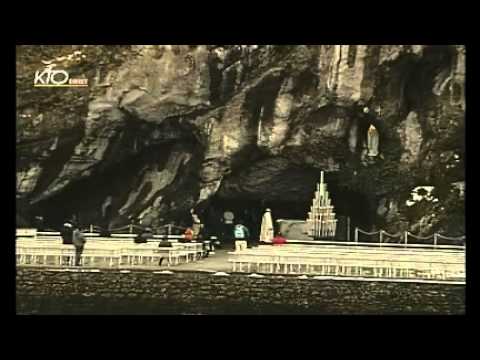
[406, 238]
[435, 240]
[348, 228]
[381, 237]
[356, 234]
[131, 228]
[91, 228]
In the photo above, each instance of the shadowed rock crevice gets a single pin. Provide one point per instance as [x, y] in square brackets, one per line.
[134, 185]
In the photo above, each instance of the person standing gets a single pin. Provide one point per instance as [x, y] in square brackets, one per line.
[242, 236]
[196, 224]
[228, 218]
[66, 233]
[78, 240]
[39, 223]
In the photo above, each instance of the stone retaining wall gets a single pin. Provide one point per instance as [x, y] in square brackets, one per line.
[41, 291]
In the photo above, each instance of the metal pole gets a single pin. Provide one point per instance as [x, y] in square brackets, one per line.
[435, 240]
[381, 237]
[348, 228]
[356, 234]
[91, 228]
[406, 237]
[131, 228]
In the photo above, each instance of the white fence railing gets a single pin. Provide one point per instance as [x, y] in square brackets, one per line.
[403, 238]
[104, 253]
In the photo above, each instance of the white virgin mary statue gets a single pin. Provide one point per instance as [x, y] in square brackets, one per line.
[266, 230]
[372, 141]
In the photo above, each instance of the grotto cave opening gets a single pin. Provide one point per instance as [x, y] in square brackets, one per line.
[249, 207]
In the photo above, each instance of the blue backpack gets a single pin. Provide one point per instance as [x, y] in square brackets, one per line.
[239, 232]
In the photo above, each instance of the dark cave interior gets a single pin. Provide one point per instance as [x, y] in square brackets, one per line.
[84, 198]
[249, 210]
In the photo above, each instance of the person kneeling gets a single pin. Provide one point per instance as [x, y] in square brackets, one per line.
[187, 236]
[279, 239]
[143, 237]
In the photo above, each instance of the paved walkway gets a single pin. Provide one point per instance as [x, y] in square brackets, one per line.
[213, 263]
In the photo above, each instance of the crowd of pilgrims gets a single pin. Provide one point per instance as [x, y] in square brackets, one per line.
[227, 232]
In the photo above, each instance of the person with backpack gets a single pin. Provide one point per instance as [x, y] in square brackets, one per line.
[241, 235]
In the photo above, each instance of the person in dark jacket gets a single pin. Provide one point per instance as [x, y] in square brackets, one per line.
[228, 226]
[39, 223]
[67, 232]
[143, 237]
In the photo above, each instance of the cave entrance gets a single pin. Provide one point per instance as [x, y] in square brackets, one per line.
[348, 204]
[250, 212]
[353, 209]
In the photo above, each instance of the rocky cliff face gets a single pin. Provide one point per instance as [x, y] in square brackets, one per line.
[161, 129]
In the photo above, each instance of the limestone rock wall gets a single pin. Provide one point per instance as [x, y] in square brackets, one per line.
[234, 113]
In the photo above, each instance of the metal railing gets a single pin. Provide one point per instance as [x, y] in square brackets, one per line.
[403, 238]
[123, 229]
[131, 229]
[94, 231]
